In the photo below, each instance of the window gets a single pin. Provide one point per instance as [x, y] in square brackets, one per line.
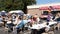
[45, 12]
[55, 12]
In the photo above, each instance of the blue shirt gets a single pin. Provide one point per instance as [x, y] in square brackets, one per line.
[23, 22]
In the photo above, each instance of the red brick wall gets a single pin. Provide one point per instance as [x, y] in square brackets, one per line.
[34, 11]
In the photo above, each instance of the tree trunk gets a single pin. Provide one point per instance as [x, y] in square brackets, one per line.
[25, 8]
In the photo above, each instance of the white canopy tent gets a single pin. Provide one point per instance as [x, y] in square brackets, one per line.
[16, 11]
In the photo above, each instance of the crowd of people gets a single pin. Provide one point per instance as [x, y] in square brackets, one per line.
[20, 21]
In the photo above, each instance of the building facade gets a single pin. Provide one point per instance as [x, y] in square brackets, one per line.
[38, 9]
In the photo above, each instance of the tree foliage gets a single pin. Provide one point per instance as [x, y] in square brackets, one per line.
[9, 5]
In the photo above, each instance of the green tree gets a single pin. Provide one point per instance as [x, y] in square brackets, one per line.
[22, 4]
[1, 5]
[9, 5]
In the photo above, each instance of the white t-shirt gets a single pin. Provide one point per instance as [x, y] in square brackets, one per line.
[8, 22]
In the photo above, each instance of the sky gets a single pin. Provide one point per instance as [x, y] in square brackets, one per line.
[47, 1]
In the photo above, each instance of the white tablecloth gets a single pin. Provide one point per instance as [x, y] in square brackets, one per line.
[38, 26]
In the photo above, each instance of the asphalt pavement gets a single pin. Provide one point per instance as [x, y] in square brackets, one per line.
[4, 31]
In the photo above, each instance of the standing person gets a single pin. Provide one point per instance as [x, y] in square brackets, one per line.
[21, 23]
[18, 24]
[29, 16]
[10, 24]
[36, 18]
[4, 20]
[58, 17]
[54, 16]
[1, 21]
[48, 18]
[31, 21]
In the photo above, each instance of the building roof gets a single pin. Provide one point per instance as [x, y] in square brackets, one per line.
[37, 6]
